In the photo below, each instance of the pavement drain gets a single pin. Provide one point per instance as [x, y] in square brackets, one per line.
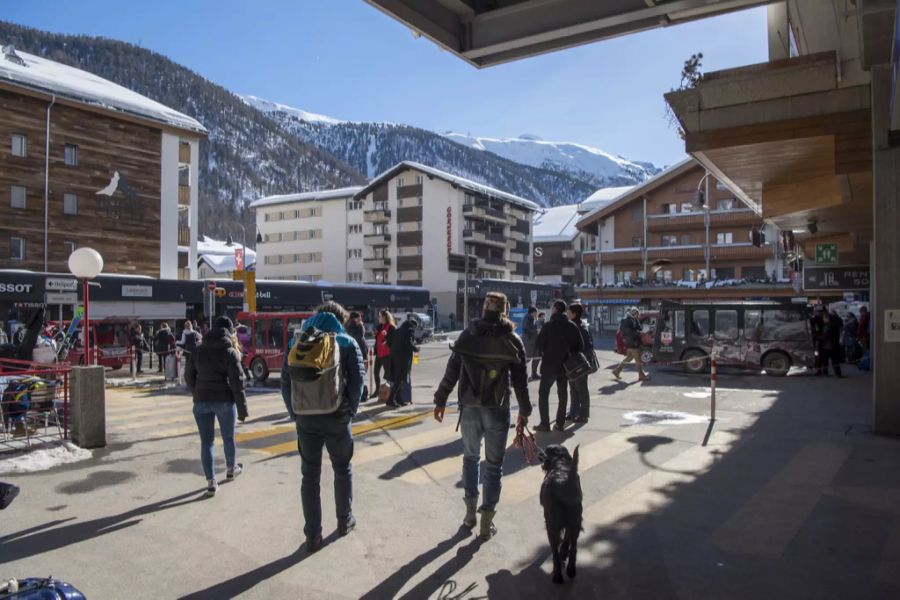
[662, 417]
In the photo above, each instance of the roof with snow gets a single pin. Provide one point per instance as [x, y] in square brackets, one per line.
[556, 224]
[602, 197]
[208, 247]
[344, 192]
[50, 77]
[462, 182]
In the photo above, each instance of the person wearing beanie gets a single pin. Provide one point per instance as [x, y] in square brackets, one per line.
[213, 374]
[557, 340]
[488, 360]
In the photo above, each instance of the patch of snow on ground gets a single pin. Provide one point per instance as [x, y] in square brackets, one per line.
[696, 394]
[663, 417]
[44, 458]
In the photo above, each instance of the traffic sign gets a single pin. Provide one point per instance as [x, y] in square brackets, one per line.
[211, 286]
[827, 254]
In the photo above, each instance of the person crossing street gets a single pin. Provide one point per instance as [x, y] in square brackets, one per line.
[557, 340]
[630, 328]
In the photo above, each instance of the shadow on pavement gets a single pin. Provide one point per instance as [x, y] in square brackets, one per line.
[424, 457]
[95, 481]
[31, 542]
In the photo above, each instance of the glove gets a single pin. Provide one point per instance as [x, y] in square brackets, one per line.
[242, 412]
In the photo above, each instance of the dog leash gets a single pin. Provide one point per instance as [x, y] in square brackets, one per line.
[524, 440]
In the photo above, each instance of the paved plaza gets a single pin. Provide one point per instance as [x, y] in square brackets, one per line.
[786, 495]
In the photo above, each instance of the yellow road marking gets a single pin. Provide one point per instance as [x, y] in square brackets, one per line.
[767, 522]
[404, 445]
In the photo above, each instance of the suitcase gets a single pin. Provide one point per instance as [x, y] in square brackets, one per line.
[384, 392]
[169, 367]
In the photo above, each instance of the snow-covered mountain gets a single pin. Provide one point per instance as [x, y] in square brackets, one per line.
[579, 160]
[551, 173]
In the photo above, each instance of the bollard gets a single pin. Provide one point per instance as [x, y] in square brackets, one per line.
[712, 387]
[133, 366]
[87, 414]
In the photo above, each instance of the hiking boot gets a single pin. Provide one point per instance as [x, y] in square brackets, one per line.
[617, 374]
[471, 518]
[234, 471]
[544, 427]
[346, 525]
[313, 543]
[211, 486]
[488, 529]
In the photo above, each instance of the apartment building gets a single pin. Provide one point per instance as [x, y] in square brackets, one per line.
[86, 162]
[311, 236]
[420, 223]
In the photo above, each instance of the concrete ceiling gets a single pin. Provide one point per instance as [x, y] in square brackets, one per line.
[489, 32]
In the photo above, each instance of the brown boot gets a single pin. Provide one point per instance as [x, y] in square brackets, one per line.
[471, 518]
[488, 529]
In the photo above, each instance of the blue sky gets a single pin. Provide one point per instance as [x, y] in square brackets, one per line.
[345, 59]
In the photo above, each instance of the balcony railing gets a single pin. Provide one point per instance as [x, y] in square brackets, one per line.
[184, 195]
[696, 220]
[493, 239]
[495, 260]
[485, 213]
[377, 239]
[377, 216]
[377, 263]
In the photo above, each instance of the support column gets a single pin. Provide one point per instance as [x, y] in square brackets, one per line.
[87, 396]
[885, 259]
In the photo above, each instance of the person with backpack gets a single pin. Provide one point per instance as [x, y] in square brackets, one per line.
[488, 359]
[190, 339]
[581, 397]
[165, 342]
[630, 328]
[327, 374]
[213, 374]
[402, 344]
[386, 328]
[557, 340]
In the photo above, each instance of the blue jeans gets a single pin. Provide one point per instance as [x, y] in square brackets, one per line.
[206, 413]
[333, 433]
[492, 425]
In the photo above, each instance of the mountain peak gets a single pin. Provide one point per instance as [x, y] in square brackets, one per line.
[530, 137]
[267, 106]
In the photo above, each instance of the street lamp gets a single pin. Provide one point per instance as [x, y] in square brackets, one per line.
[86, 264]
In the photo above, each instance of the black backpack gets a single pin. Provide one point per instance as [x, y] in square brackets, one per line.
[487, 361]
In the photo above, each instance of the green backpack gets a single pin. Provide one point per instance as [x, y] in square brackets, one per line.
[487, 362]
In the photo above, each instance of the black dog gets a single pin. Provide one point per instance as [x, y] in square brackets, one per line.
[562, 502]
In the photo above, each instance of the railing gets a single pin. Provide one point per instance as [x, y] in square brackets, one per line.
[184, 236]
[35, 399]
[495, 260]
[377, 262]
[377, 239]
[184, 195]
[377, 216]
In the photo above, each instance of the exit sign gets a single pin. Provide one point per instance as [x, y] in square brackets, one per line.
[826, 254]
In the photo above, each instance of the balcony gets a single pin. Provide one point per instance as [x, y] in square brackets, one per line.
[739, 251]
[695, 220]
[486, 214]
[184, 195]
[377, 263]
[409, 214]
[409, 238]
[683, 252]
[184, 236]
[409, 263]
[615, 256]
[568, 253]
[377, 239]
[516, 257]
[409, 191]
[480, 237]
[377, 216]
[497, 261]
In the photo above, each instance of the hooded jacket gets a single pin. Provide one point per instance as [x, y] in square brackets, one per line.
[456, 371]
[213, 372]
[630, 329]
[402, 342]
[558, 338]
[352, 365]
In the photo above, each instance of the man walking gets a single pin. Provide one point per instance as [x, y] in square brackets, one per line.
[630, 328]
[529, 337]
[488, 358]
[137, 342]
[581, 397]
[332, 430]
[403, 345]
[558, 338]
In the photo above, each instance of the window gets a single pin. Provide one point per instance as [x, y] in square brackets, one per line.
[184, 175]
[70, 204]
[664, 275]
[16, 248]
[724, 238]
[399, 182]
[260, 331]
[381, 229]
[71, 155]
[419, 179]
[637, 213]
[354, 253]
[699, 323]
[310, 234]
[354, 228]
[381, 205]
[19, 145]
[685, 239]
[637, 241]
[380, 252]
[276, 333]
[687, 275]
[623, 276]
[723, 273]
[668, 240]
[752, 323]
[783, 325]
[725, 204]
[17, 195]
[726, 325]
[70, 247]
[354, 277]
[687, 207]
[679, 323]
[669, 209]
[354, 205]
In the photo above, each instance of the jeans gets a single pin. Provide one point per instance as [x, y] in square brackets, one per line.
[491, 424]
[581, 398]
[335, 435]
[562, 392]
[206, 413]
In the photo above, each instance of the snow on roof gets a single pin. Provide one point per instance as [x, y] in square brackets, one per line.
[556, 224]
[343, 192]
[34, 72]
[269, 106]
[208, 247]
[603, 197]
[453, 179]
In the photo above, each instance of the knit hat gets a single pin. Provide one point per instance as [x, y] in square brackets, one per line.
[224, 323]
[496, 302]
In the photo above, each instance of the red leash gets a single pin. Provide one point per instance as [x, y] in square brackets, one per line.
[524, 440]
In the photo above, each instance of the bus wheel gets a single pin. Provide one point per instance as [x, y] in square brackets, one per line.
[259, 370]
[776, 364]
[696, 361]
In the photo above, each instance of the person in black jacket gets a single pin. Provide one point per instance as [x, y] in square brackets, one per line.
[832, 326]
[581, 397]
[137, 342]
[190, 339]
[558, 338]
[630, 328]
[165, 343]
[402, 343]
[485, 409]
[529, 337]
[213, 374]
[357, 331]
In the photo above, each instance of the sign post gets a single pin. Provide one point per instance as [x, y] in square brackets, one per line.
[211, 288]
[827, 254]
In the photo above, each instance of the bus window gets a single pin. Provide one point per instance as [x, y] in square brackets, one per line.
[752, 321]
[276, 333]
[783, 325]
[726, 325]
[259, 330]
[699, 323]
[679, 324]
[293, 325]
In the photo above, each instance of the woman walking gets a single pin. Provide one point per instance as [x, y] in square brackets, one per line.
[213, 374]
[386, 327]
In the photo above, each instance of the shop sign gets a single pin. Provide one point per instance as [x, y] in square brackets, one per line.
[137, 291]
[64, 298]
[15, 288]
[58, 284]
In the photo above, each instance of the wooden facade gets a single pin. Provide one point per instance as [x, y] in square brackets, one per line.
[124, 226]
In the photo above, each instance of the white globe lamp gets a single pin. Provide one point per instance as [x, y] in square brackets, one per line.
[86, 264]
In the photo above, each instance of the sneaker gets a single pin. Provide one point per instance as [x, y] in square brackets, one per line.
[542, 427]
[211, 487]
[558, 427]
[234, 471]
[314, 543]
[347, 525]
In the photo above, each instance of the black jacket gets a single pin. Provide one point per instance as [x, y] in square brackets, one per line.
[165, 341]
[559, 337]
[402, 343]
[456, 371]
[832, 329]
[358, 333]
[213, 373]
[631, 331]
[529, 333]
[587, 341]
